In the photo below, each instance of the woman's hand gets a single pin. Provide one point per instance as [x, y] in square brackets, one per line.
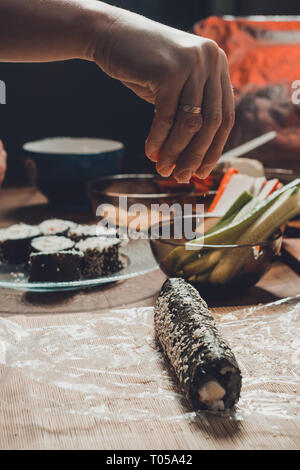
[167, 67]
[171, 68]
[3, 157]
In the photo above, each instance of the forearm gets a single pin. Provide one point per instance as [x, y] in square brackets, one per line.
[50, 30]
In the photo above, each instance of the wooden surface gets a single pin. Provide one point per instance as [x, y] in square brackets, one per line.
[291, 253]
[23, 426]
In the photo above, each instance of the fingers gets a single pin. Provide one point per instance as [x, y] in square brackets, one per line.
[184, 143]
[215, 150]
[192, 157]
[3, 158]
[186, 125]
[165, 107]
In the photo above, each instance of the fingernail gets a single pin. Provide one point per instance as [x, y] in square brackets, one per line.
[204, 172]
[166, 170]
[153, 157]
[151, 151]
[184, 176]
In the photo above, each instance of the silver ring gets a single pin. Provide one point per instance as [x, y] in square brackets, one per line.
[187, 108]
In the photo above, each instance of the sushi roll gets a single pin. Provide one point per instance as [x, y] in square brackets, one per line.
[203, 361]
[61, 266]
[15, 243]
[56, 227]
[51, 244]
[100, 256]
[81, 232]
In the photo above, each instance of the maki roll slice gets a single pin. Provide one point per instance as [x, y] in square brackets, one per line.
[51, 244]
[202, 359]
[15, 243]
[61, 266]
[100, 256]
[56, 227]
[81, 232]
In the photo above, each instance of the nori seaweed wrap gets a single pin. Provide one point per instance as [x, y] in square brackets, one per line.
[203, 361]
[62, 266]
[100, 256]
[15, 243]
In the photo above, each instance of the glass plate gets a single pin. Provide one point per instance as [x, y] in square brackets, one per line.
[136, 254]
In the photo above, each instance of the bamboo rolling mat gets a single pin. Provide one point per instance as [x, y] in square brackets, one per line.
[97, 380]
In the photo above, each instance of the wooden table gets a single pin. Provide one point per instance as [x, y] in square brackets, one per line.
[24, 428]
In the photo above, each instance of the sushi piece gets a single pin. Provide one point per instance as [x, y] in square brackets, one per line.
[51, 244]
[56, 227]
[81, 232]
[100, 256]
[203, 361]
[62, 266]
[15, 243]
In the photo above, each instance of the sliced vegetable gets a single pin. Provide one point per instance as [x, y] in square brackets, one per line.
[224, 182]
[268, 189]
[245, 210]
[258, 184]
[236, 186]
[200, 278]
[285, 207]
[182, 255]
[202, 264]
[232, 212]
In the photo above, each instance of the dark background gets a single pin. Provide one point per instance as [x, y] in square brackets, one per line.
[73, 98]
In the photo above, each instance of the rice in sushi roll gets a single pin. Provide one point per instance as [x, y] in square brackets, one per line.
[56, 227]
[15, 243]
[100, 256]
[51, 244]
[81, 232]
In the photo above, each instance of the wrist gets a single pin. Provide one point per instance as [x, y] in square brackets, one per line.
[97, 22]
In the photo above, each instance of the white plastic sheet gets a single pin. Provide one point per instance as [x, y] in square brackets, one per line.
[109, 366]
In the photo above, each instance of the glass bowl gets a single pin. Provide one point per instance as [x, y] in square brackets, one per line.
[213, 269]
[148, 190]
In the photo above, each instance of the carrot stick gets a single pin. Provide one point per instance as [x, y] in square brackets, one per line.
[224, 182]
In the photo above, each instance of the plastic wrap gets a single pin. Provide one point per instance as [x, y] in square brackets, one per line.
[109, 366]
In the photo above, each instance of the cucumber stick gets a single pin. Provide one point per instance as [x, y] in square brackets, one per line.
[182, 255]
[200, 278]
[209, 260]
[245, 210]
[242, 201]
[202, 264]
[287, 206]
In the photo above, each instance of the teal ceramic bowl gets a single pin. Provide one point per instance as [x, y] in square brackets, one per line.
[61, 167]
